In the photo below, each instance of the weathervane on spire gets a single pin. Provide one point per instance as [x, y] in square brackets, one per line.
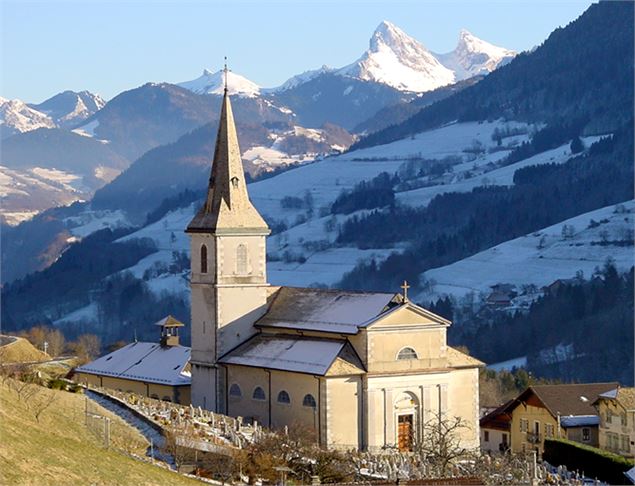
[225, 70]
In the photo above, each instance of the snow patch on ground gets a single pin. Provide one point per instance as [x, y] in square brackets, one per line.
[87, 130]
[90, 221]
[541, 257]
[498, 177]
[321, 268]
[268, 157]
[509, 365]
[87, 313]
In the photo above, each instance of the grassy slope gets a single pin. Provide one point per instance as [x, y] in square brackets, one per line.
[21, 350]
[60, 450]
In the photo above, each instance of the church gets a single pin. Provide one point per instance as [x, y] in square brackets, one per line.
[362, 370]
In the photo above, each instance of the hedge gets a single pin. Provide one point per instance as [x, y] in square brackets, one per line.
[594, 462]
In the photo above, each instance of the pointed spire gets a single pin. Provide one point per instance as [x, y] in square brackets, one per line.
[227, 206]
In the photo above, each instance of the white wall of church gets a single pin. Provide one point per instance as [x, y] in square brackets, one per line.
[384, 346]
[247, 379]
[296, 385]
[238, 308]
[203, 388]
[343, 411]
[241, 259]
[451, 394]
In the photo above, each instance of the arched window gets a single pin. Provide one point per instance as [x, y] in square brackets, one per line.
[309, 401]
[259, 394]
[241, 260]
[204, 259]
[407, 353]
[234, 391]
[283, 397]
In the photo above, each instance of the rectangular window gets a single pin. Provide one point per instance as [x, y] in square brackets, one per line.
[625, 444]
[608, 415]
[486, 435]
[505, 439]
[611, 441]
[548, 430]
[586, 434]
[524, 425]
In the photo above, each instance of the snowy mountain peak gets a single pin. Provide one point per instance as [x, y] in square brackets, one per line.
[398, 60]
[214, 83]
[299, 79]
[392, 36]
[17, 117]
[474, 56]
[69, 108]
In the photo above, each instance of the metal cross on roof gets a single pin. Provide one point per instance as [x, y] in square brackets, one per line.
[405, 288]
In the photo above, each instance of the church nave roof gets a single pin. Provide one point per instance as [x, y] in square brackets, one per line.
[296, 354]
[336, 311]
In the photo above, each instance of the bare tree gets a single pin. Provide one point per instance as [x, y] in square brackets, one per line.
[40, 400]
[86, 347]
[56, 342]
[442, 443]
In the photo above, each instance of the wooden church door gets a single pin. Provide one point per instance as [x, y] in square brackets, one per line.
[404, 433]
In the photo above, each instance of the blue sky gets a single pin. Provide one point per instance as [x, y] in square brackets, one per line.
[108, 47]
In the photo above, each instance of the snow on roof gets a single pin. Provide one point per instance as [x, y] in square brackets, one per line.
[609, 394]
[169, 321]
[579, 420]
[287, 353]
[334, 311]
[143, 361]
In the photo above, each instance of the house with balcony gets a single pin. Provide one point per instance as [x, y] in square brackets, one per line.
[616, 410]
[555, 411]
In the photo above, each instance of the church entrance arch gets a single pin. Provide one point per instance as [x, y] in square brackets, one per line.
[406, 420]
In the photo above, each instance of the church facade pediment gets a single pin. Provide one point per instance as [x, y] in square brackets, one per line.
[406, 315]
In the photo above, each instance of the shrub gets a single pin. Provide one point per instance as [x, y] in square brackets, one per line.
[594, 462]
[56, 384]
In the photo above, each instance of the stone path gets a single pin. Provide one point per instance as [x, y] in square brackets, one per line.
[147, 430]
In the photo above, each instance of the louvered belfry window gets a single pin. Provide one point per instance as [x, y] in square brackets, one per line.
[241, 260]
[203, 259]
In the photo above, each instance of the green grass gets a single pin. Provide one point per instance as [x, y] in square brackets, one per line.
[59, 449]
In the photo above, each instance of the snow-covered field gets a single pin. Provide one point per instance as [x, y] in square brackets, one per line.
[543, 256]
[87, 313]
[26, 192]
[326, 179]
[497, 177]
[90, 221]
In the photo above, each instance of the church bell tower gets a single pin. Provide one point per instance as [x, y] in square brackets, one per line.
[228, 259]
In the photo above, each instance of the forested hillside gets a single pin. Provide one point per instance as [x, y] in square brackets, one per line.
[581, 332]
[455, 225]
